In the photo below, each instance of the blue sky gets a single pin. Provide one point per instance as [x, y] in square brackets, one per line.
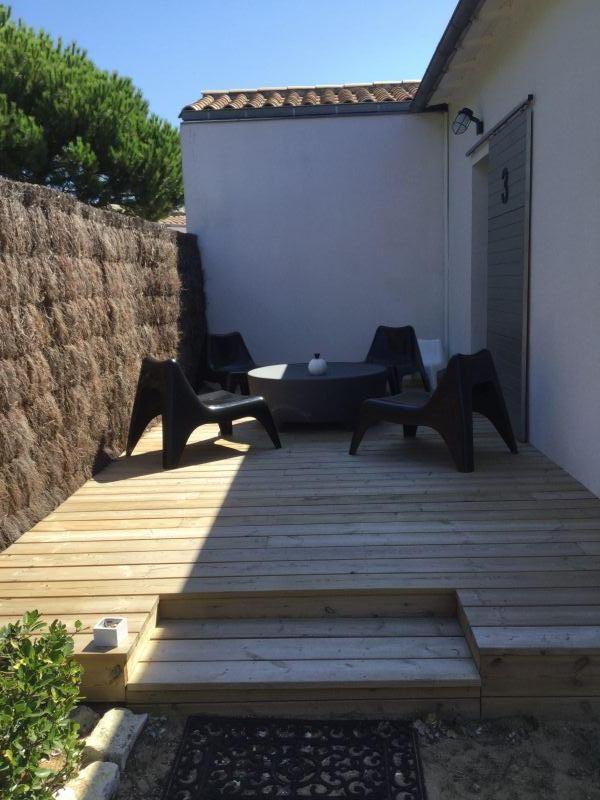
[174, 50]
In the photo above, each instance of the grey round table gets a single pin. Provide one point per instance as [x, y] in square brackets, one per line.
[294, 395]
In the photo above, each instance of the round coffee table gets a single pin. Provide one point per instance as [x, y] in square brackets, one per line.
[294, 395]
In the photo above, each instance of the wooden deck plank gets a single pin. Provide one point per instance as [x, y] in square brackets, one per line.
[135, 621]
[524, 640]
[546, 616]
[531, 596]
[342, 552]
[372, 566]
[443, 542]
[418, 514]
[305, 649]
[339, 672]
[382, 582]
[178, 501]
[178, 538]
[585, 508]
[49, 604]
[174, 528]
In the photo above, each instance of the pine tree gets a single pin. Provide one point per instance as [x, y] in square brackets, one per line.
[67, 124]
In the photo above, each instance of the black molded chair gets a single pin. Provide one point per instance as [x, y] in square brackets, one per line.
[163, 389]
[228, 361]
[398, 350]
[469, 384]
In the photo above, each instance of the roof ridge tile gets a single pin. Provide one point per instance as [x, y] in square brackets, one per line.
[323, 94]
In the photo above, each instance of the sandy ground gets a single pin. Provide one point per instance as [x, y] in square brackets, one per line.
[510, 759]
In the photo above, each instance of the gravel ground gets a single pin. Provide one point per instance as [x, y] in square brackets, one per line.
[520, 758]
[148, 766]
[510, 759]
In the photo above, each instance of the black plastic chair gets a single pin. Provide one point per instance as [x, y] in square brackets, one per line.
[163, 389]
[228, 361]
[398, 350]
[469, 384]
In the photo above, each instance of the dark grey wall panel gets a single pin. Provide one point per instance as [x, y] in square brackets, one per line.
[516, 200]
[508, 230]
[508, 218]
[509, 180]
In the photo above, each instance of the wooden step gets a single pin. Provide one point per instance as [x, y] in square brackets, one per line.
[540, 653]
[341, 665]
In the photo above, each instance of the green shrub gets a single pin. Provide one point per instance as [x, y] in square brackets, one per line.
[39, 687]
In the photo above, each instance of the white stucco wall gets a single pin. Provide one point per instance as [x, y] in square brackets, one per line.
[550, 48]
[314, 231]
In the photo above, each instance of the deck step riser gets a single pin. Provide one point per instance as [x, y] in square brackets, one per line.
[308, 708]
[317, 605]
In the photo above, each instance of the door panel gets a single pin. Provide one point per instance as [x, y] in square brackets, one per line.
[509, 187]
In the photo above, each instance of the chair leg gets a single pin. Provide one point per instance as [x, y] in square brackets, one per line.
[460, 444]
[410, 431]
[266, 420]
[226, 428]
[491, 404]
[244, 387]
[140, 418]
[362, 426]
[174, 442]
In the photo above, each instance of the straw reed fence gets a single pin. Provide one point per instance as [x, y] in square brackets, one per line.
[84, 295]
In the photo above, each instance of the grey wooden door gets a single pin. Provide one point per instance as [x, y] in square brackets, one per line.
[509, 186]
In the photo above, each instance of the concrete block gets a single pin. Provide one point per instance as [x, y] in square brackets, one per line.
[114, 736]
[97, 781]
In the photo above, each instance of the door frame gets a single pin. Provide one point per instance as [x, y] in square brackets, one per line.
[526, 275]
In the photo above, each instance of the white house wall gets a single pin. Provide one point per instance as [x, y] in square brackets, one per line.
[549, 48]
[313, 231]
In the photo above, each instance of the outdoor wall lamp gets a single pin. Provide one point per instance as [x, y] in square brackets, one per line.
[463, 119]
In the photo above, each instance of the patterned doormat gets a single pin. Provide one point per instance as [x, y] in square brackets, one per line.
[221, 758]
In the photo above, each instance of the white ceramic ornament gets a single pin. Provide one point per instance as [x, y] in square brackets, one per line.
[317, 365]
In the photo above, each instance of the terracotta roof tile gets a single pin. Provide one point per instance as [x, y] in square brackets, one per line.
[400, 93]
[279, 97]
[239, 101]
[292, 99]
[346, 96]
[328, 96]
[363, 95]
[274, 99]
[213, 101]
[175, 218]
[311, 98]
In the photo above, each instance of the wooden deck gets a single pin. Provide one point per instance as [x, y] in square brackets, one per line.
[305, 578]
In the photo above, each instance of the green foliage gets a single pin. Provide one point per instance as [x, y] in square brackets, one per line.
[39, 687]
[67, 124]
